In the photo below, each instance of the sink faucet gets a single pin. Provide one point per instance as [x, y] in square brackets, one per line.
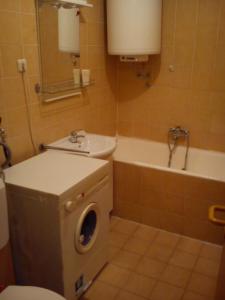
[76, 134]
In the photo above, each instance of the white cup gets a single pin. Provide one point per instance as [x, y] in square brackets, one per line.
[85, 74]
[76, 77]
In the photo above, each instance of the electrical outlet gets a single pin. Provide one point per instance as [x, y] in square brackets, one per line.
[22, 65]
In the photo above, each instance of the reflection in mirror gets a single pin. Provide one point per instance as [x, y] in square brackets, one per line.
[59, 44]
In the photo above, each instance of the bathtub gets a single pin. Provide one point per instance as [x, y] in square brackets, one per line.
[147, 191]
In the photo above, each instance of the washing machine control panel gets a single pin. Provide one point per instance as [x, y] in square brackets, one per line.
[71, 204]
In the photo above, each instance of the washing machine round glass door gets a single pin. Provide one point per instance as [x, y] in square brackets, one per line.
[87, 228]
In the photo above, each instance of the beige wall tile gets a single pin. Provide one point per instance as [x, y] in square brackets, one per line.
[27, 6]
[9, 27]
[12, 93]
[169, 11]
[12, 5]
[49, 122]
[189, 39]
[10, 54]
[172, 222]
[29, 34]
[31, 54]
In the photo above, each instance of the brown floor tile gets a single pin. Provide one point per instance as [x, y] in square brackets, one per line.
[127, 260]
[212, 252]
[193, 296]
[118, 239]
[176, 276]
[150, 267]
[113, 221]
[189, 245]
[207, 267]
[100, 290]
[202, 285]
[183, 259]
[114, 275]
[167, 239]
[136, 245]
[125, 226]
[164, 291]
[146, 233]
[140, 285]
[159, 252]
[128, 296]
[112, 252]
[139, 255]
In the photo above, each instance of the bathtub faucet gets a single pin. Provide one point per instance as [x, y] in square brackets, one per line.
[174, 135]
[178, 132]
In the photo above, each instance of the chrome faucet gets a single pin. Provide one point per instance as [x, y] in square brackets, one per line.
[76, 134]
[2, 133]
[6, 149]
[174, 135]
[178, 132]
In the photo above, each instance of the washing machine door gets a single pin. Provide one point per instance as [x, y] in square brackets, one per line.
[87, 228]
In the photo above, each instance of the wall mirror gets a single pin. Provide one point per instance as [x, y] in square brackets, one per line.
[58, 25]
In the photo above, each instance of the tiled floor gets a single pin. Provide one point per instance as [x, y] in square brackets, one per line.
[147, 263]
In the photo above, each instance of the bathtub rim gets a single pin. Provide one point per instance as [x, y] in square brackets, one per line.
[166, 169]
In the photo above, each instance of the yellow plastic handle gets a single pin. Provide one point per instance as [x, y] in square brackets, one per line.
[212, 214]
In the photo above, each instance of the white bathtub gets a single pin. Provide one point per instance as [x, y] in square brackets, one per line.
[201, 163]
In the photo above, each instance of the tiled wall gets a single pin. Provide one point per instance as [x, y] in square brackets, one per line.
[94, 111]
[167, 200]
[193, 41]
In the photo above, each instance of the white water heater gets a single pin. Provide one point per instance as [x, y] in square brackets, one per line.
[134, 27]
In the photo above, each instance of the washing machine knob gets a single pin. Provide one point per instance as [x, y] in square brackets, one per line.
[70, 206]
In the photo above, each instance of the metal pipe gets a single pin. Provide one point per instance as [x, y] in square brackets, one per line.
[174, 134]
[8, 155]
[187, 151]
[43, 147]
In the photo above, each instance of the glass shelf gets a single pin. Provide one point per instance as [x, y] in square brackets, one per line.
[61, 87]
[68, 3]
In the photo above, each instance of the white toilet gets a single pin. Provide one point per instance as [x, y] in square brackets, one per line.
[28, 293]
[18, 292]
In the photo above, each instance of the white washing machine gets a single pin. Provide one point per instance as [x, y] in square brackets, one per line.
[59, 208]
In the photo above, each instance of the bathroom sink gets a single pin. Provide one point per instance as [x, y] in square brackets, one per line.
[93, 145]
